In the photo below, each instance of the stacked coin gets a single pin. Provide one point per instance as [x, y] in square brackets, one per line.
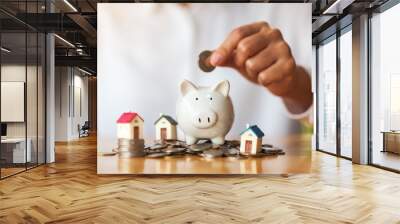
[131, 147]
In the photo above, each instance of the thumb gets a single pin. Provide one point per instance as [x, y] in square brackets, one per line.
[219, 57]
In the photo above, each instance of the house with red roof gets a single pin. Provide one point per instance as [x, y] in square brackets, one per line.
[130, 126]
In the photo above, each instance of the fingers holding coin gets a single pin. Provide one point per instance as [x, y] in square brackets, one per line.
[259, 53]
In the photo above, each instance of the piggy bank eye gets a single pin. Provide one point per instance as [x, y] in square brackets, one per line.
[210, 98]
[196, 98]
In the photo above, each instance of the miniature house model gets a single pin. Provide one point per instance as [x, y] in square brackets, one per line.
[165, 127]
[130, 126]
[251, 140]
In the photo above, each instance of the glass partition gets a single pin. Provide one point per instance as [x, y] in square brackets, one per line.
[327, 96]
[14, 153]
[41, 97]
[385, 89]
[346, 93]
[22, 78]
[31, 100]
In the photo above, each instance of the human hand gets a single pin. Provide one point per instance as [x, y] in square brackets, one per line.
[261, 55]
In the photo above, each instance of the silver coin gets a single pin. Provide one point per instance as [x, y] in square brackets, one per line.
[273, 153]
[172, 150]
[136, 141]
[158, 147]
[131, 148]
[233, 143]
[204, 61]
[191, 152]
[157, 155]
[131, 154]
[212, 153]
[126, 141]
[231, 152]
[267, 145]
[273, 150]
[201, 147]
[153, 151]
[176, 145]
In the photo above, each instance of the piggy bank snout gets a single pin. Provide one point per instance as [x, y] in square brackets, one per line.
[205, 119]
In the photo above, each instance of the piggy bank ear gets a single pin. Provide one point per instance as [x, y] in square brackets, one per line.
[186, 87]
[222, 87]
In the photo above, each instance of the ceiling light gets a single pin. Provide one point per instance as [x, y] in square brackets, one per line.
[5, 50]
[337, 7]
[70, 5]
[65, 41]
[84, 71]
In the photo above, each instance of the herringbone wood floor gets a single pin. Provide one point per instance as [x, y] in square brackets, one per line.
[70, 191]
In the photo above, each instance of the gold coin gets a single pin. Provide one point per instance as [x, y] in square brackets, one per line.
[204, 61]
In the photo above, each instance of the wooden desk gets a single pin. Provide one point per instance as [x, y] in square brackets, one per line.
[296, 160]
[16, 153]
[391, 141]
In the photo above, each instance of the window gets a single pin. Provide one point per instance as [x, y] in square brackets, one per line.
[335, 74]
[346, 93]
[385, 89]
[327, 96]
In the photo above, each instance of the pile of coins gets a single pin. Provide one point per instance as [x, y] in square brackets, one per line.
[206, 150]
[131, 148]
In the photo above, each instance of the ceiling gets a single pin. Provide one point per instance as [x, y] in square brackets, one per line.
[75, 22]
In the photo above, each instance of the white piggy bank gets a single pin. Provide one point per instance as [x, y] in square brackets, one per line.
[205, 112]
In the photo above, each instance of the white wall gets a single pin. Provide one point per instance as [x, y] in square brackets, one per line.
[62, 81]
[12, 73]
[71, 87]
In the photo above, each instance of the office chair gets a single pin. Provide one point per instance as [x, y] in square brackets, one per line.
[84, 130]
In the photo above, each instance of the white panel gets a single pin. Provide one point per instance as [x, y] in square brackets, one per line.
[12, 101]
[140, 69]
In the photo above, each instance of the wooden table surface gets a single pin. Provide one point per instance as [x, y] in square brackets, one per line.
[296, 160]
